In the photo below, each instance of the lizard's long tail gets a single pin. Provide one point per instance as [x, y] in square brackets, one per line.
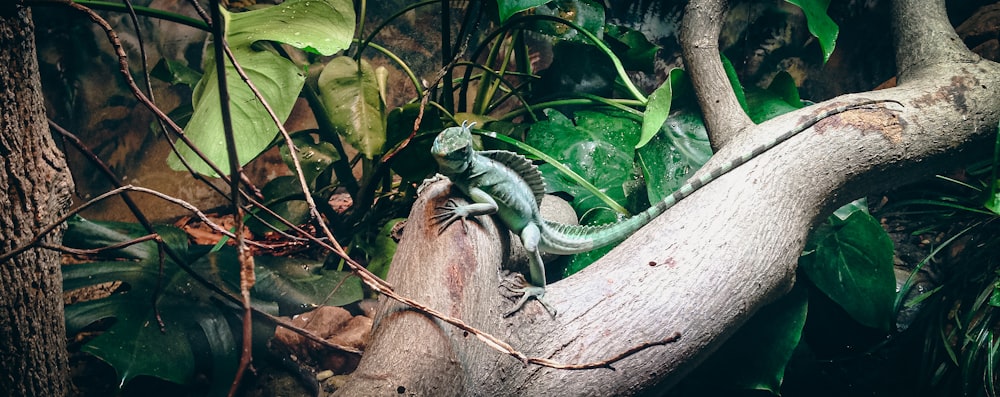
[570, 239]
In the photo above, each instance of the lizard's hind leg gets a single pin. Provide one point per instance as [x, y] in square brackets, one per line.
[530, 237]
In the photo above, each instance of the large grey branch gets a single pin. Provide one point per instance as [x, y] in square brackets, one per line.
[703, 268]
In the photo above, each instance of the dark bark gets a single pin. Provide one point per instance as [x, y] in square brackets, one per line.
[36, 189]
[701, 269]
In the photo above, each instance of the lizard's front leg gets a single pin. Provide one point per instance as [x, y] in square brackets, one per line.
[451, 211]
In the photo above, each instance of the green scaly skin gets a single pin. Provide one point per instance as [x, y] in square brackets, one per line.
[509, 185]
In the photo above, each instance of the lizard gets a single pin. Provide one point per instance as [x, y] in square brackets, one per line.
[509, 185]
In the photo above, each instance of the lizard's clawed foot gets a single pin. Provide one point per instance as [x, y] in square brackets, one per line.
[451, 212]
[526, 293]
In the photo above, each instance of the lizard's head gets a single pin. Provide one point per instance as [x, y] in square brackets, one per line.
[453, 149]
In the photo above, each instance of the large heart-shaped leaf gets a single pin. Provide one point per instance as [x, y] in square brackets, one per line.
[850, 260]
[321, 26]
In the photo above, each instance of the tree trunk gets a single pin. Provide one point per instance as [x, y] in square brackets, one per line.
[36, 192]
[701, 269]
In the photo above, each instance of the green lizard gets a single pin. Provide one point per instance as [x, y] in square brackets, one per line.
[509, 185]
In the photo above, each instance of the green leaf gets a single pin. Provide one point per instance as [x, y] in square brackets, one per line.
[299, 285]
[134, 345]
[315, 156]
[413, 162]
[175, 72]
[657, 110]
[820, 25]
[993, 198]
[319, 26]
[783, 86]
[781, 97]
[851, 262]
[380, 249]
[586, 14]
[508, 8]
[734, 82]
[350, 97]
[283, 196]
[764, 105]
[598, 146]
[671, 157]
[316, 25]
[631, 46]
[197, 332]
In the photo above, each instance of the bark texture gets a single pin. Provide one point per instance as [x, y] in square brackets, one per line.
[36, 191]
[701, 269]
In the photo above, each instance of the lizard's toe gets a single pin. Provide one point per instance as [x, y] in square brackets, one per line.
[527, 293]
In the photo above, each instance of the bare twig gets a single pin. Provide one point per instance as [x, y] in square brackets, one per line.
[245, 259]
[99, 250]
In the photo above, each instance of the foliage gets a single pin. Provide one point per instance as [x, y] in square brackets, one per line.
[820, 24]
[957, 312]
[849, 258]
[318, 26]
[197, 327]
[603, 141]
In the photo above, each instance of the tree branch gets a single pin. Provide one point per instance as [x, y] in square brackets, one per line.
[699, 37]
[701, 269]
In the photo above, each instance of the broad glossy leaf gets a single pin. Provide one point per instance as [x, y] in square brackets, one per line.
[783, 86]
[586, 14]
[134, 345]
[764, 105]
[316, 25]
[670, 157]
[820, 25]
[298, 285]
[508, 8]
[350, 96]
[687, 134]
[598, 147]
[319, 26]
[993, 195]
[294, 285]
[278, 81]
[851, 262]
[781, 97]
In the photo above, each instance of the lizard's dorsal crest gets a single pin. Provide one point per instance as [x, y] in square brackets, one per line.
[523, 167]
